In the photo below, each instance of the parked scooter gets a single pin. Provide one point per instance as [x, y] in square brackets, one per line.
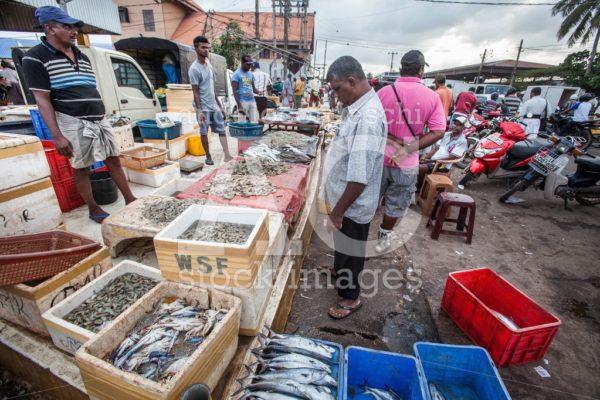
[580, 131]
[548, 163]
[502, 154]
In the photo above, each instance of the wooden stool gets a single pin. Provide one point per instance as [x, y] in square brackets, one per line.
[434, 183]
[441, 209]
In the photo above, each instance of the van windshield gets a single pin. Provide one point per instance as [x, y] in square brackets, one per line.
[500, 89]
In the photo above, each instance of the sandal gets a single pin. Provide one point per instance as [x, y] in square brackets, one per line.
[339, 306]
[99, 217]
[209, 161]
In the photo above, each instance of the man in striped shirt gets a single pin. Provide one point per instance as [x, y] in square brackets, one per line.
[63, 83]
[511, 102]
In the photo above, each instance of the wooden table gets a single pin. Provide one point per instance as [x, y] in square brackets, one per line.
[290, 126]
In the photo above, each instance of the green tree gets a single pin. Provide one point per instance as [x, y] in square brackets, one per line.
[230, 45]
[574, 71]
[582, 19]
[369, 76]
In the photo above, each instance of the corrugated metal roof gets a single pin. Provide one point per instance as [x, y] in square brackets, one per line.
[100, 16]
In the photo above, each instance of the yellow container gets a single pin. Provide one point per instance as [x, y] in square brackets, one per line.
[195, 146]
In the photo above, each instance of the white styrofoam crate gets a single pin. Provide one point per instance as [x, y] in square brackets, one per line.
[22, 160]
[155, 177]
[177, 147]
[29, 208]
[69, 337]
[176, 185]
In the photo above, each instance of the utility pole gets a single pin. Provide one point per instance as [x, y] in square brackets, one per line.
[481, 66]
[256, 19]
[314, 63]
[393, 53]
[286, 22]
[514, 72]
[325, 62]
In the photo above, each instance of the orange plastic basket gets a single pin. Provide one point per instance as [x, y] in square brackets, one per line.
[142, 158]
[41, 255]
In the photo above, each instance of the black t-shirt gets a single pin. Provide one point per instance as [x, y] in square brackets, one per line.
[72, 85]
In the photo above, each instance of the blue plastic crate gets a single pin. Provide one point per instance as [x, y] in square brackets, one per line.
[245, 130]
[41, 130]
[460, 372]
[380, 369]
[149, 130]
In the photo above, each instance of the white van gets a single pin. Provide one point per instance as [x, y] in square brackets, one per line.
[557, 96]
[123, 85]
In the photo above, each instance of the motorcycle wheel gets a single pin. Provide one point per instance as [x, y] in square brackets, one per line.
[469, 176]
[586, 134]
[587, 201]
[518, 186]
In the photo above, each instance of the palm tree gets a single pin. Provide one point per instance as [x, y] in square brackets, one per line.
[583, 18]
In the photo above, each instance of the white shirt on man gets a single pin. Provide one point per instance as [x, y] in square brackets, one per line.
[261, 81]
[582, 112]
[450, 146]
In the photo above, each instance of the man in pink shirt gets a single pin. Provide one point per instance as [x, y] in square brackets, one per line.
[409, 107]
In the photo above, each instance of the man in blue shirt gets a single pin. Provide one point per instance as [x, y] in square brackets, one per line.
[243, 86]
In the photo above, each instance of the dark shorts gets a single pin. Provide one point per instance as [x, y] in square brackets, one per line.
[214, 120]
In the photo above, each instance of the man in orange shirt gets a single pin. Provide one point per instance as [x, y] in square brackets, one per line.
[444, 93]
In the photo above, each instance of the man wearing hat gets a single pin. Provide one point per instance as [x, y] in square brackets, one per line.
[63, 83]
[409, 107]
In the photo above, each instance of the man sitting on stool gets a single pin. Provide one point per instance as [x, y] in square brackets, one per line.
[451, 147]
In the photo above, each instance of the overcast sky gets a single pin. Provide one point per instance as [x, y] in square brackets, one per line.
[448, 34]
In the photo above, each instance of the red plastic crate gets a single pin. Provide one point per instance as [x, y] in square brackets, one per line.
[67, 194]
[473, 297]
[60, 167]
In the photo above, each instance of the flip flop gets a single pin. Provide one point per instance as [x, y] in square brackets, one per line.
[99, 217]
[209, 161]
[352, 310]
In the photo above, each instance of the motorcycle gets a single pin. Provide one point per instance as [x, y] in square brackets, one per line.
[580, 131]
[548, 163]
[502, 154]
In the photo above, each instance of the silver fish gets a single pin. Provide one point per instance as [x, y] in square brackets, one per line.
[276, 365]
[306, 362]
[292, 388]
[301, 375]
[298, 341]
[381, 394]
[278, 348]
[267, 396]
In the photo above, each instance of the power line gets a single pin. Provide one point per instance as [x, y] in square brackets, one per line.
[484, 3]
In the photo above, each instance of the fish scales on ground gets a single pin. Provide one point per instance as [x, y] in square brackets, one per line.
[219, 232]
[161, 343]
[110, 302]
[164, 211]
[257, 166]
[228, 186]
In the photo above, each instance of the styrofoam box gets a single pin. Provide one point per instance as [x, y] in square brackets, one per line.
[172, 188]
[22, 160]
[255, 298]
[177, 147]
[24, 304]
[155, 177]
[212, 262]
[124, 136]
[29, 208]
[69, 337]
[189, 121]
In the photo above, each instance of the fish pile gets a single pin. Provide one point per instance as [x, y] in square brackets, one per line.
[161, 344]
[110, 302]
[163, 211]
[292, 367]
[259, 166]
[285, 153]
[228, 186]
[219, 232]
[281, 138]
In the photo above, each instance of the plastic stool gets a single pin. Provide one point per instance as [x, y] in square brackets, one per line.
[434, 183]
[441, 209]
